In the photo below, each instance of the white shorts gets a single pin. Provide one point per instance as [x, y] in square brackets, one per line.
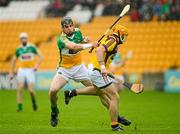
[77, 73]
[99, 80]
[26, 74]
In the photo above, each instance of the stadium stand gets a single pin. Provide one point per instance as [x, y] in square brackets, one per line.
[155, 45]
[22, 10]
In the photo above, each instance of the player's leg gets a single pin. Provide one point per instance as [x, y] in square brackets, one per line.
[113, 96]
[118, 84]
[105, 101]
[30, 77]
[57, 83]
[21, 80]
[89, 90]
[83, 77]
[32, 94]
[19, 96]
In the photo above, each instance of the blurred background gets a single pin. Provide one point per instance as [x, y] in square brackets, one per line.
[154, 36]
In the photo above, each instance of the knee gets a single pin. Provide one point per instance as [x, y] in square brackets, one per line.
[20, 88]
[31, 90]
[115, 97]
[53, 90]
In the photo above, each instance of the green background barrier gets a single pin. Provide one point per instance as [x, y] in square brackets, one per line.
[43, 81]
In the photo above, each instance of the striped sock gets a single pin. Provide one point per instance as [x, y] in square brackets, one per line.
[114, 125]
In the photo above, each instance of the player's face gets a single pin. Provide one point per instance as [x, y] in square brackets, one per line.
[123, 38]
[68, 29]
[24, 40]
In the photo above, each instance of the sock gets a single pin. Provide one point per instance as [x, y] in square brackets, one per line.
[73, 93]
[119, 118]
[20, 107]
[33, 99]
[54, 109]
[114, 124]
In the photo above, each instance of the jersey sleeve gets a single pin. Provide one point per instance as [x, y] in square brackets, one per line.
[61, 42]
[34, 49]
[79, 34]
[110, 43]
[17, 53]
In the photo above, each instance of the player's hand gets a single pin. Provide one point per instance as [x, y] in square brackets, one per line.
[104, 71]
[35, 69]
[11, 76]
[95, 44]
[86, 39]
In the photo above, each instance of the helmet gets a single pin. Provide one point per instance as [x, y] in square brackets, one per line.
[23, 35]
[121, 31]
[66, 20]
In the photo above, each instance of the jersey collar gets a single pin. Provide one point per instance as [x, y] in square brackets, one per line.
[68, 36]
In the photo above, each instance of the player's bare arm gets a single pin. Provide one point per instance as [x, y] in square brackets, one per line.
[100, 53]
[11, 72]
[40, 59]
[86, 39]
[80, 47]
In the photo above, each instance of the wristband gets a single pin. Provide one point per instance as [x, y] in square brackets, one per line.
[88, 45]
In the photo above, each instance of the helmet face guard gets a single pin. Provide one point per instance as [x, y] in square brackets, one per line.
[66, 21]
[122, 37]
[122, 33]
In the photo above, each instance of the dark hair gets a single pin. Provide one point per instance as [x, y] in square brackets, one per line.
[66, 20]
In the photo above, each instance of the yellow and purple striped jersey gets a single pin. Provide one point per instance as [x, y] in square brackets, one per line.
[69, 58]
[111, 50]
[26, 55]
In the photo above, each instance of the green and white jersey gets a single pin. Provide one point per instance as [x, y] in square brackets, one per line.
[68, 57]
[26, 55]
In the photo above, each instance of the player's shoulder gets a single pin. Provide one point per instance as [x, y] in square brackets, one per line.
[77, 31]
[18, 47]
[114, 37]
[31, 45]
[111, 37]
[61, 37]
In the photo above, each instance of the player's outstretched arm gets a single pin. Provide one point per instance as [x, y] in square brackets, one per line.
[79, 47]
[86, 40]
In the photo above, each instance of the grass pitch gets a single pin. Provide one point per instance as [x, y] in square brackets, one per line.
[151, 113]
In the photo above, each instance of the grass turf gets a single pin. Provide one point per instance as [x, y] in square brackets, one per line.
[151, 113]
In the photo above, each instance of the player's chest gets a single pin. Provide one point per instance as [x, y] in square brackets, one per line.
[26, 54]
[75, 39]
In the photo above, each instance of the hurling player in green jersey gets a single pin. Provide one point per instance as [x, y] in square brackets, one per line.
[25, 54]
[70, 43]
